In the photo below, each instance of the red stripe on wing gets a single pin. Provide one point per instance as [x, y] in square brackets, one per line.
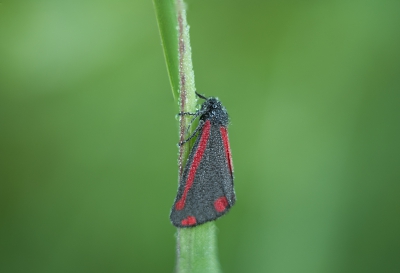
[224, 134]
[195, 164]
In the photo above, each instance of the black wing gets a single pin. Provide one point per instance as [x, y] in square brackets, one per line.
[206, 187]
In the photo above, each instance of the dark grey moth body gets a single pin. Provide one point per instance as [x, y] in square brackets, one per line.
[211, 193]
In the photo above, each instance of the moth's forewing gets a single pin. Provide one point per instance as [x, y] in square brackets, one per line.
[211, 192]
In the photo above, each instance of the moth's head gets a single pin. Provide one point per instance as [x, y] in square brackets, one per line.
[213, 110]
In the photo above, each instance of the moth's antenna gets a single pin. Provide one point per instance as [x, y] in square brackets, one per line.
[200, 96]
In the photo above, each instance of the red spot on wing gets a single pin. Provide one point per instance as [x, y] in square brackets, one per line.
[189, 221]
[220, 204]
[195, 164]
[224, 134]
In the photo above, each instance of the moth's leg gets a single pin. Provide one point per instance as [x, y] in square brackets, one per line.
[188, 113]
[191, 121]
[201, 124]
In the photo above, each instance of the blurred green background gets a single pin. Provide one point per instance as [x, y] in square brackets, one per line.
[88, 155]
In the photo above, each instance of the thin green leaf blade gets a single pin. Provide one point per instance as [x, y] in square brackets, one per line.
[167, 24]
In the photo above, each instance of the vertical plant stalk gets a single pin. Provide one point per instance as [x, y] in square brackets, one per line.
[187, 97]
[197, 246]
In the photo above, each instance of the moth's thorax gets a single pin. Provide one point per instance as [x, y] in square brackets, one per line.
[213, 110]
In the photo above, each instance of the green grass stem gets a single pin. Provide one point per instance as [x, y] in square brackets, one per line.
[196, 247]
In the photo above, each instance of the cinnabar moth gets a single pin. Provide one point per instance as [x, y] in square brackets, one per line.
[205, 190]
